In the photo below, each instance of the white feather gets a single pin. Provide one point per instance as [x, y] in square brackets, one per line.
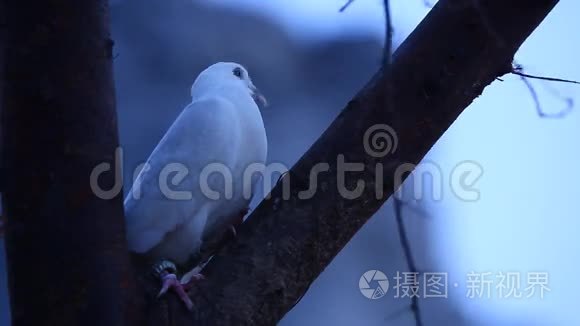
[221, 127]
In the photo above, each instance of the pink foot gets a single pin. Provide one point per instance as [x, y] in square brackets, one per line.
[170, 281]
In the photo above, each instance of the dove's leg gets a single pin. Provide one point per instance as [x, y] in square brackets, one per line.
[169, 281]
[167, 271]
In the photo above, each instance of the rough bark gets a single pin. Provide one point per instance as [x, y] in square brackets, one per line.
[458, 49]
[67, 259]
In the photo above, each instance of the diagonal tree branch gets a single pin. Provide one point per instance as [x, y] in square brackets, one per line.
[287, 242]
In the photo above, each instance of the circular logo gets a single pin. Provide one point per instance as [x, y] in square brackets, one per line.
[380, 140]
[373, 284]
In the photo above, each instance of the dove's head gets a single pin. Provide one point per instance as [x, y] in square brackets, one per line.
[224, 75]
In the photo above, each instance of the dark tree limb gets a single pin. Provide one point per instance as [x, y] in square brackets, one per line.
[66, 253]
[285, 244]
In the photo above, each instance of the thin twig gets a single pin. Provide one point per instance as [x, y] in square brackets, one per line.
[387, 52]
[539, 110]
[396, 314]
[519, 73]
[403, 235]
[517, 69]
[348, 3]
[566, 99]
[397, 204]
[414, 208]
[428, 3]
[408, 256]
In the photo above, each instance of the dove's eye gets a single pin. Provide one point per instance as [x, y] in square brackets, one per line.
[238, 72]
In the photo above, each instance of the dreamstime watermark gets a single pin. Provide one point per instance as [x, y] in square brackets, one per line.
[215, 180]
[380, 140]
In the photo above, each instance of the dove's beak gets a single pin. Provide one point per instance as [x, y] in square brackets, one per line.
[259, 98]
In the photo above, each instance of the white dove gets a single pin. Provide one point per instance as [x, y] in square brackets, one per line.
[173, 203]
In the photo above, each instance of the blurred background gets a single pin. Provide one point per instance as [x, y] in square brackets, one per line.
[309, 60]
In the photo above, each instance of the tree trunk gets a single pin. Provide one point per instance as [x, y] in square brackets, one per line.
[67, 259]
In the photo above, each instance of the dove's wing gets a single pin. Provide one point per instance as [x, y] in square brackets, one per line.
[205, 132]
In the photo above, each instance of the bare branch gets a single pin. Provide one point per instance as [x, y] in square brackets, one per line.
[417, 209]
[387, 52]
[556, 93]
[429, 3]
[405, 244]
[518, 70]
[346, 5]
[397, 204]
